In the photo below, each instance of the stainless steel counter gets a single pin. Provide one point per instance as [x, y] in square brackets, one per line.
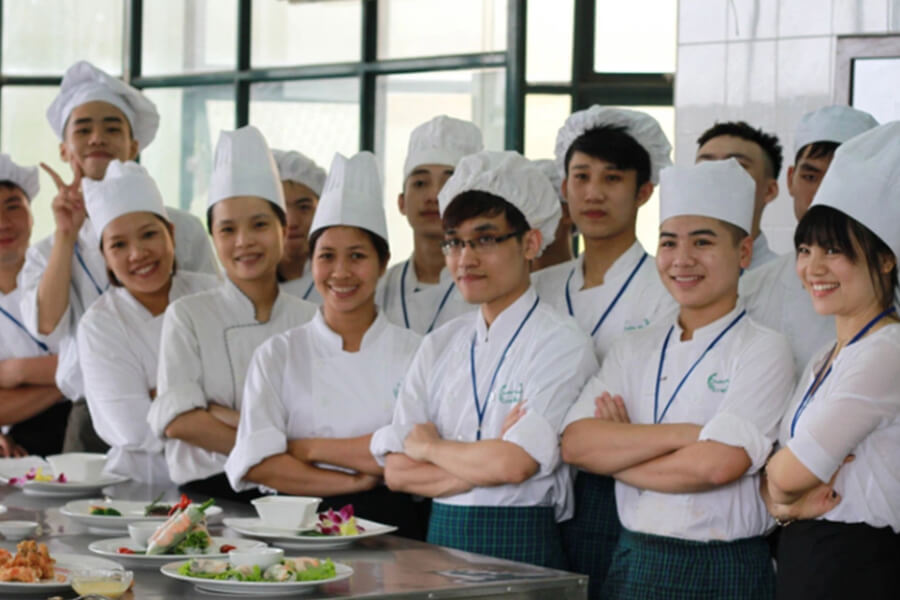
[383, 567]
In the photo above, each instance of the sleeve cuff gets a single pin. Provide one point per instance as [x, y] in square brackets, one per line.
[813, 456]
[534, 434]
[388, 439]
[732, 430]
[582, 409]
[249, 451]
[175, 401]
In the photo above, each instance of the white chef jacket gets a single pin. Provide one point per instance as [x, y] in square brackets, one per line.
[15, 340]
[192, 251]
[546, 368]
[206, 345]
[326, 393]
[643, 302]
[775, 298]
[426, 303]
[856, 410]
[738, 393]
[118, 342]
[762, 254]
[303, 287]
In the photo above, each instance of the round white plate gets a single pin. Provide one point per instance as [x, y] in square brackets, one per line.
[110, 547]
[132, 512]
[65, 564]
[56, 489]
[289, 538]
[254, 588]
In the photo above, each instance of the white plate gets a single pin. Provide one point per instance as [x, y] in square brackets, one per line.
[65, 563]
[254, 588]
[110, 547]
[132, 512]
[18, 467]
[288, 538]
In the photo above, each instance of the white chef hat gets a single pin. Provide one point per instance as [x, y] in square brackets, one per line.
[352, 196]
[441, 141]
[243, 166]
[293, 166]
[512, 177]
[720, 189]
[639, 125]
[24, 177]
[547, 166]
[126, 188]
[863, 179]
[83, 83]
[832, 124]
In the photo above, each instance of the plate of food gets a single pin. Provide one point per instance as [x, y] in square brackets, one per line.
[130, 554]
[334, 529]
[291, 575]
[115, 515]
[37, 477]
[32, 570]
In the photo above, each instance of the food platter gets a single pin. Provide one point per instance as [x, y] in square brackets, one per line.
[254, 588]
[291, 538]
[110, 548]
[132, 512]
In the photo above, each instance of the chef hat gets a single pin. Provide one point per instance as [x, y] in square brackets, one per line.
[832, 124]
[639, 125]
[293, 166]
[24, 177]
[126, 188]
[512, 177]
[441, 141]
[548, 168]
[243, 166]
[720, 189]
[83, 83]
[863, 180]
[352, 196]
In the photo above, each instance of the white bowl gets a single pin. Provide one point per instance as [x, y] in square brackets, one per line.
[78, 466]
[264, 557]
[141, 531]
[17, 530]
[287, 512]
[111, 583]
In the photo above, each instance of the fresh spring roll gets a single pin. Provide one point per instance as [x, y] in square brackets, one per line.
[176, 528]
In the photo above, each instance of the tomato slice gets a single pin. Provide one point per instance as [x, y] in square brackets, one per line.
[226, 548]
[125, 550]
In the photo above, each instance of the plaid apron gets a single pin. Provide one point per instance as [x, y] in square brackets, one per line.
[526, 534]
[647, 567]
[590, 536]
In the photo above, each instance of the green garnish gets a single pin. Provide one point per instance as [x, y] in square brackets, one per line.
[105, 512]
[195, 542]
[325, 570]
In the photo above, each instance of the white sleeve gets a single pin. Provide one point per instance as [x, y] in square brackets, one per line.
[179, 379]
[262, 430]
[833, 425]
[411, 408]
[558, 375]
[28, 280]
[760, 388]
[115, 384]
[609, 379]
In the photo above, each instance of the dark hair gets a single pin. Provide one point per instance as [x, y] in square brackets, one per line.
[828, 227]
[816, 150]
[12, 185]
[282, 217]
[737, 233]
[381, 246]
[475, 203]
[113, 280]
[614, 145]
[767, 142]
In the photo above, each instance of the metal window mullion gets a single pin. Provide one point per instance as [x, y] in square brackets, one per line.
[368, 78]
[241, 84]
[516, 26]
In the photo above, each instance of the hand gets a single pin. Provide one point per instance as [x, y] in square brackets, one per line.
[610, 408]
[365, 482]
[419, 441]
[512, 418]
[11, 373]
[9, 448]
[811, 505]
[68, 204]
[227, 415]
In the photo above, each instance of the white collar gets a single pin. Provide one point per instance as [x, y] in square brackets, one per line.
[335, 343]
[506, 323]
[710, 330]
[620, 267]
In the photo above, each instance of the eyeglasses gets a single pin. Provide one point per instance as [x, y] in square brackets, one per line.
[483, 243]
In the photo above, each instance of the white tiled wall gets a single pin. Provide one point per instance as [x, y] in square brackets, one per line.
[766, 62]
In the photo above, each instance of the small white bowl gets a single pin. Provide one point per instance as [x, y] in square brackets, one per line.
[78, 466]
[287, 512]
[141, 531]
[264, 557]
[111, 583]
[17, 530]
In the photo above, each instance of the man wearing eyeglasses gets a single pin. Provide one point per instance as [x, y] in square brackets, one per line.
[477, 419]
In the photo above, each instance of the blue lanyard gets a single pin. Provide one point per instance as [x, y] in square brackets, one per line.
[614, 300]
[403, 299]
[657, 418]
[18, 324]
[479, 409]
[819, 379]
[88, 271]
[309, 290]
